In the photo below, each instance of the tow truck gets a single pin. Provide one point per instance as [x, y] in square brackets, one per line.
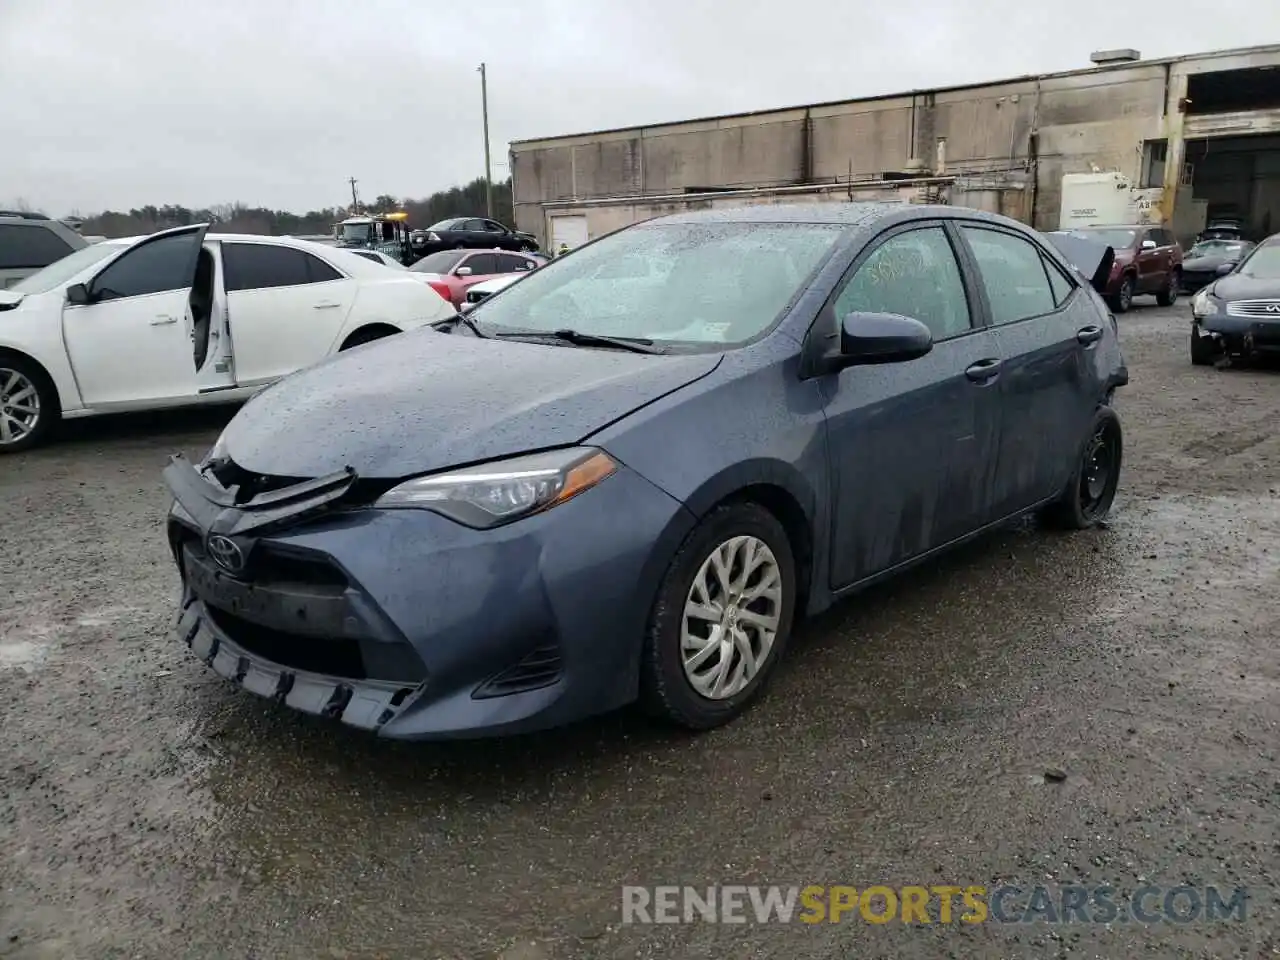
[385, 232]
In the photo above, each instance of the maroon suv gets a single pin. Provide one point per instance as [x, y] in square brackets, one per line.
[1148, 261]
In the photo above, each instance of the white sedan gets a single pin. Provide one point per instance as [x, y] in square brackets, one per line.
[186, 317]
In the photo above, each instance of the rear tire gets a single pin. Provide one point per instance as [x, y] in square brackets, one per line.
[1088, 497]
[1169, 295]
[29, 406]
[700, 623]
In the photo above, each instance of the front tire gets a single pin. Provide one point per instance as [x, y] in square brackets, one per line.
[721, 618]
[1123, 299]
[29, 405]
[1204, 350]
[1092, 489]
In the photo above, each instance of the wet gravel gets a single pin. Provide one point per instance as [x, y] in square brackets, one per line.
[147, 809]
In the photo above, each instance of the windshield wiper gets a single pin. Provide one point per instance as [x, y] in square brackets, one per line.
[462, 318]
[580, 339]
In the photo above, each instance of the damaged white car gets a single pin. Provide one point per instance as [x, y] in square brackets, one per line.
[186, 317]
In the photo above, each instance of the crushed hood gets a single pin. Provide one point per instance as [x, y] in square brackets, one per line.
[424, 401]
[1092, 259]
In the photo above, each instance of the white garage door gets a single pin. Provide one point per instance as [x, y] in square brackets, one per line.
[570, 231]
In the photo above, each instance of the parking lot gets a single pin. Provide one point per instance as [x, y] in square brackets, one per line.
[149, 809]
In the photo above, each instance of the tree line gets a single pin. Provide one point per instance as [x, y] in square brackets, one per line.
[467, 200]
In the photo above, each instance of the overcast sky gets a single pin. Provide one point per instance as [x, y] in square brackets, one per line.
[118, 103]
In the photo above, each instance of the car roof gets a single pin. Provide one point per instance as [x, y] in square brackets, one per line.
[855, 214]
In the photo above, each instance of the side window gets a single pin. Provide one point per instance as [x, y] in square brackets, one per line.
[481, 263]
[1058, 282]
[260, 266]
[320, 272]
[472, 226]
[1013, 274]
[509, 264]
[23, 247]
[492, 227]
[913, 274]
[165, 264]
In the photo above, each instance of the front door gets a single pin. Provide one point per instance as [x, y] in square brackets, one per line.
[912, 445]
[1045, 324]
[130, 342]
[1150, 262]
[286, 308]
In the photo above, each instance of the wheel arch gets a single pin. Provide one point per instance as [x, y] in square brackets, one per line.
[40, 369]
[369, 331]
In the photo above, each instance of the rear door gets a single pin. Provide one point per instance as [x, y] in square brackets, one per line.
[475, 234]
[286, 307]
[131, 344]
[1045, 324]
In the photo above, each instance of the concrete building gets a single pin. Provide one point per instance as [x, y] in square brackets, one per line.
[1200, 134]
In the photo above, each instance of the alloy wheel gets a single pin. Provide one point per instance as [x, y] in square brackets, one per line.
[731, 617]
[19, 406]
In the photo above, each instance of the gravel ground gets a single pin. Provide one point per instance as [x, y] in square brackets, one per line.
[149, 810]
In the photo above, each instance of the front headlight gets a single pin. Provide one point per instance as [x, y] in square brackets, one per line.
[1203, 304]
[491, 494]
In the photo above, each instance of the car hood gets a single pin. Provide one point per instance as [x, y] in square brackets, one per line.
[1238, 287]
[1090, 257]
[1211, 262]
[425, 401]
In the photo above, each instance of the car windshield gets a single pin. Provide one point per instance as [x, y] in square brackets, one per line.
[1119, 239]
[356, 232]
[1216, 248]
[445, 224]
[698, 284]
[441, 262]
[1263, 263]
[61, 271]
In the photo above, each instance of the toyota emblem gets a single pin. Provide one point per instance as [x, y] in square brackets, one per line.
[225, 553]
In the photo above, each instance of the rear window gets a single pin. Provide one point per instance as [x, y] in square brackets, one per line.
[451, 224]
[441, 262]
[24, 247]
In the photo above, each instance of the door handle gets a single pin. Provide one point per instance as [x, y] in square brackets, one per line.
[161, 320]
[983, 370]
[326, 305]
[1088, 335]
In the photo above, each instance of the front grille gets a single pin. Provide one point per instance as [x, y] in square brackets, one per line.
[1263, 309]
[539, 668]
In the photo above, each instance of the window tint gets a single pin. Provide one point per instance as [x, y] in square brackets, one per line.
[913, 274]
[453, 223]
[476, 226]
[440, 262]
[320, 272]
[164, 264]
[257, 266]
[507, 263]
[1058, 283]
[1013, 274]
[492, 227]
[482, 263]
[26, 248]
[368, 255]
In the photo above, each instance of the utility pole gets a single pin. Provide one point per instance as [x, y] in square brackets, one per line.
[488, 176]
[355, 200]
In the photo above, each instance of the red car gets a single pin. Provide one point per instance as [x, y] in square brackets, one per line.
[1148, 261]
[450, 272]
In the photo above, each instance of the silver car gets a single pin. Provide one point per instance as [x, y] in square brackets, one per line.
[30, 242]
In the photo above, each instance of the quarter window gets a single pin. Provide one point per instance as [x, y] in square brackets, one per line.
[166, 263]
[27, 248]
[261, 266]
[915, 275]
[1013, 275]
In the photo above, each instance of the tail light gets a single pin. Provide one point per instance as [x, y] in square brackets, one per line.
[441, 288]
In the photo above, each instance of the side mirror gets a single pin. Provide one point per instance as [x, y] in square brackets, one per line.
[867, 338]
[78, 294]
[466, 306]
[1148, 244]
[463, 272]
[1224, 269]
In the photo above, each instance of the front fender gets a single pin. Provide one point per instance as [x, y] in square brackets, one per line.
[37, 335]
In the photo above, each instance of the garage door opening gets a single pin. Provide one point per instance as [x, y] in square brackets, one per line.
[1236, 178]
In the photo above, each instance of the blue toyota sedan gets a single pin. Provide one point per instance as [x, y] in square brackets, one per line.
[625, 477]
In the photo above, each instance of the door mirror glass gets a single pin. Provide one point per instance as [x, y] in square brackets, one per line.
[463, 272]
[1148, 244]
[882, 338]
[78, 294]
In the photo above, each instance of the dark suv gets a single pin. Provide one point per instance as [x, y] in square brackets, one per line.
[30, 242]
[1148, 261]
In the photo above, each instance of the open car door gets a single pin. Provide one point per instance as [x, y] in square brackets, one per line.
[129, 330]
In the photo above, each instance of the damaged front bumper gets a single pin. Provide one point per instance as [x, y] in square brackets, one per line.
[405, 623]
[1244, 336]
